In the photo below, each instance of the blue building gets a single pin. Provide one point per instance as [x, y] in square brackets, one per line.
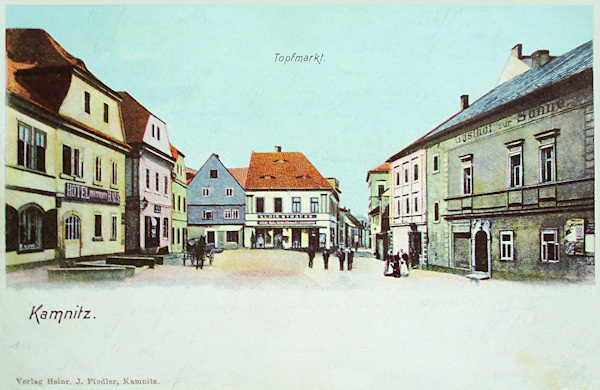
[216, 204]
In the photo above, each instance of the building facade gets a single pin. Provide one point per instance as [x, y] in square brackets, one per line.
[148, 177]
[378, 180]
[289, 204]
[408, 219]
[179, 231]
[510, 178]
[65, 164]
[217, 205]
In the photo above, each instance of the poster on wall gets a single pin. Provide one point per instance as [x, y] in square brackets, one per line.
[574, 237]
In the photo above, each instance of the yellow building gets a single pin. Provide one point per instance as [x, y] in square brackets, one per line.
[179, 189]
[65, 158]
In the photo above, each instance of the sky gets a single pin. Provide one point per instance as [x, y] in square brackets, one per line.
[386, 75]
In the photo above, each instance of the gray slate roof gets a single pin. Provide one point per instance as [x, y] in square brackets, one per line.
[567, 65]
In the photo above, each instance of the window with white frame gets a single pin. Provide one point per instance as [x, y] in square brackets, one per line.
[314, 205]
[549, 246]
[507, 245]
[98, 169]
[235, 214]
[31, 148]
[227, 214]
[467, 174]
[72, 227]
[206, 192]
[72, 161]
[207, 214]
[515, 162]
[229, 192]
[296, 205]
[114, 227]
[547, 140]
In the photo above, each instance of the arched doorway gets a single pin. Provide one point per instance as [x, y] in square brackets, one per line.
[481, 252]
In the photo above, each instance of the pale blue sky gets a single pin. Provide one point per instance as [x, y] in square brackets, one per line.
[390, 73]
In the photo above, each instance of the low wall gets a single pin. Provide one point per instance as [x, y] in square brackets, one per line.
[90, 272]
[137, 261]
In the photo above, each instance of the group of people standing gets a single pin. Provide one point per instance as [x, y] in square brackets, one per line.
[396, 265]
[344, 255]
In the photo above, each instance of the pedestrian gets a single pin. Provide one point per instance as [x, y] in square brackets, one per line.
[326, 258]
[311, 256]
[199, 248]
[404, 265]
[341, 255]
[350, 254]
[396, 265]
[260, 241]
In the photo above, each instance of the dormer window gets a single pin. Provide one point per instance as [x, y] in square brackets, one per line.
[267, 177]
[303, 177]
[280, 160]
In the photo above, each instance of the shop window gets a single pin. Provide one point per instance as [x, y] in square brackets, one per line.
[229, 192]
[260, 205]
[105, 113]
[550, 245]
[97, 227]
[72, 228]
[507, 245]
[114, 228]
[87, 102]
[31, 148]
[296, 205]
[314, 205]
[232, 236]
[278, 205]
[207, 215]
[30, 228]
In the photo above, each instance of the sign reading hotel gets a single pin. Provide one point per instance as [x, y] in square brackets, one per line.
[518, 119]
[77, 192]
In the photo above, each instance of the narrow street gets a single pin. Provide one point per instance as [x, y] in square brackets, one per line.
[261, 319]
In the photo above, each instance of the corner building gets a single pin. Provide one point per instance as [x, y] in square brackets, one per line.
[65, 163]
[510, 178]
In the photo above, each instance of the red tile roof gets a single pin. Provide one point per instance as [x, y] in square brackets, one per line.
[285, 171]
[385, 167]
[239, 174]
[176, 152]
[135, 118]
[190, 174]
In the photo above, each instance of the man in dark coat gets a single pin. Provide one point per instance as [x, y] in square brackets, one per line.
[199, 248]
[341, 255]
[350, 258]
[326, 258]
[311, 256]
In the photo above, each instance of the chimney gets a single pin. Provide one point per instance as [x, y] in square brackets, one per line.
[517, 51]
[464, 102]
[277, 149]
[540, 58]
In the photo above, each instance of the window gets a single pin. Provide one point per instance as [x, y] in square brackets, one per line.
[407, 205]
[549, 250]
[184, 204]
[405, 167]
[227, 214]
[98, 227]
[296, 205]
[178, 202]
[214, 174]
[156, 181]
[516, 170]
[206, 192]
[416, 172]
[416, 200]
[72, 228]
[113, 228]
[278, 206]
[86, 102]
[232, 236]
[98, 169]
[72, 161]
[436, 212]
[467, 180]
[173, 235]
[166, 227]
[208, 214]
[158, 133]
[30, 228]
[398, 209]
[436, 163]
[166, 184]
[114, 179]
[105, 113]
[314, 205]
[153, 132]
[548, 163]
[148, 178]
[235, 214]
[397, 178]
[178, 236]
[31, 148]
[229, 192]
[260, 205]
[380, 190]
[506, 245]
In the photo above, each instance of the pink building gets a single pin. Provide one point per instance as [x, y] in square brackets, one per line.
[148, 212]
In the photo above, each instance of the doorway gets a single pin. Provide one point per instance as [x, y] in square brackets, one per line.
[414, 248]
[481, 252]
[151, 232]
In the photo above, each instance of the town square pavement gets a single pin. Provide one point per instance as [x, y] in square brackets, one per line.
[261, 319]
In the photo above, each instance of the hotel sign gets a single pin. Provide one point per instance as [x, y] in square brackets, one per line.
[77, 192]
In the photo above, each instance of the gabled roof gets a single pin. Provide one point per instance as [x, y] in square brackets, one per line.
[285, 171]
[570, 64]
[385, 167]
[239, 174]
[135, 118]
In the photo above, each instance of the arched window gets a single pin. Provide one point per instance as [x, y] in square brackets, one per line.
[72, 227]
[30, 227]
